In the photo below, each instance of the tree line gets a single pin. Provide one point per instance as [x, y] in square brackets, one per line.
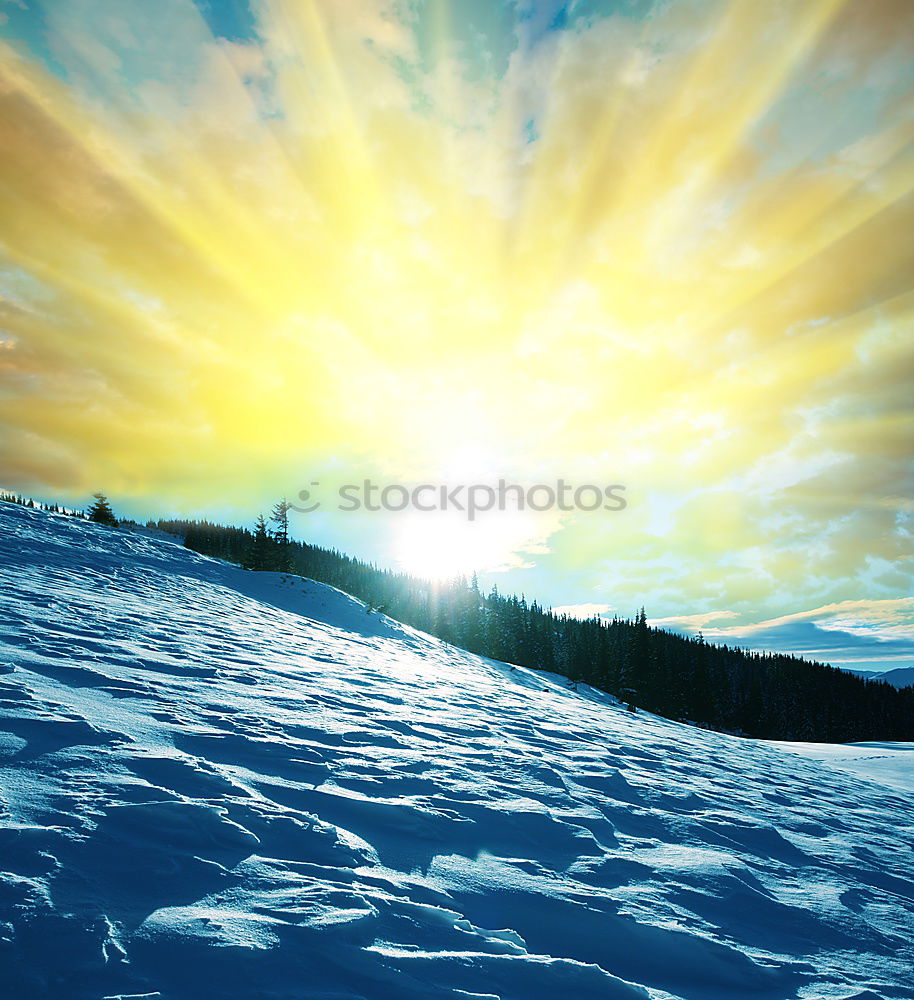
[100, 511]
[764, 695]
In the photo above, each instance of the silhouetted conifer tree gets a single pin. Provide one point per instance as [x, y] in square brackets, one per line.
[259, 553]
[280, 517]
[100, 512]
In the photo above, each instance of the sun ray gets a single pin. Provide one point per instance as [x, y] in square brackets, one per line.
[759, 85]
[664, 241]
[113, 159]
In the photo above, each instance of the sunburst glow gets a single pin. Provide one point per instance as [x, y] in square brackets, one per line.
[443, 546]
[666, 244]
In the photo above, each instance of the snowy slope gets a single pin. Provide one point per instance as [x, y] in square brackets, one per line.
[890, 764]
[222, 784]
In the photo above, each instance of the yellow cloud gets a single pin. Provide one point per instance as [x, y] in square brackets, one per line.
[672, 252]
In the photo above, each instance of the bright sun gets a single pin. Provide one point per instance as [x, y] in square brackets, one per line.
[441, 546]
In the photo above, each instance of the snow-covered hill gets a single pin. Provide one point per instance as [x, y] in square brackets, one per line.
[223, 784]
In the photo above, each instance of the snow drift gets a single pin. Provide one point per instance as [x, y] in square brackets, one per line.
[224, 784]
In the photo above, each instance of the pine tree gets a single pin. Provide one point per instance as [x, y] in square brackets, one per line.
[637, 678]
[280, 517]
[100, 512]
[258, 556]
[471, 615]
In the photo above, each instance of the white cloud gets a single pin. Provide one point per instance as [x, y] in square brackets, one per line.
[584, 610]
[692, 622]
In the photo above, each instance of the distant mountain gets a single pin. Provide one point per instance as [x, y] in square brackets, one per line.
[900, 677]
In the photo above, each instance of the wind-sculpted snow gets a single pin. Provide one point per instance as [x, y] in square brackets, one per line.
[223, 784]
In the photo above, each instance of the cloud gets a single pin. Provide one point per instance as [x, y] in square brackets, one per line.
[604, 246]
[692, 623]
[858, 634]
[584, 610]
